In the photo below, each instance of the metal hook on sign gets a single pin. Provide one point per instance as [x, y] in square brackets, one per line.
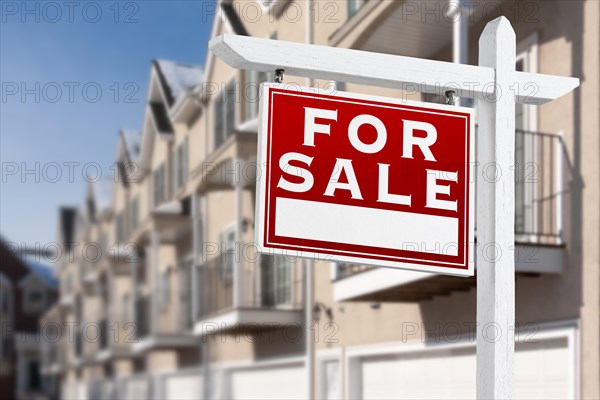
[451, 97]
[279, 75]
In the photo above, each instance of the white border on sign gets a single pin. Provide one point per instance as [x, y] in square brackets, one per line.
[322, 254]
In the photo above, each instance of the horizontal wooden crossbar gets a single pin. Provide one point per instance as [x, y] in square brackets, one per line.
[377, 69]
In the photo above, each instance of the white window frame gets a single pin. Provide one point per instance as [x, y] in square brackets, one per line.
[225, 272]
[158, 185]
[180, 164]
[134, 213]
[221, 105]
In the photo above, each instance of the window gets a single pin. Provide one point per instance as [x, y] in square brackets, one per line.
[134, 213]
[351, 8]
[340, 86]
[69, 284]
[266, 4]
[104, 243]
[165, 288]
[225, 114]
[276, 280]
[227, 241]
[34, 300]
[180, 165]
[253, 79]
[354, 5]
[173, 170]
[185, 293]
[119, 228]
[271, 75]
[35, 296]
[7, 346]
[5, 299]
[34, 379]
[158, 185]
[125, 308]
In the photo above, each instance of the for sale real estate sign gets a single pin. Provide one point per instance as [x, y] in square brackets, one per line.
[365, 180]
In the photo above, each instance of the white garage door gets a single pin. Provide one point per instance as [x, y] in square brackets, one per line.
[284, 382]
[541, 372]
[183, 386]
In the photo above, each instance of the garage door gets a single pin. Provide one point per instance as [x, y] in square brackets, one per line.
[541, 372]
[183, 386]
[284, 382]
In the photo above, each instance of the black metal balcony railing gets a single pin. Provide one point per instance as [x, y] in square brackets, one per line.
[142, 316]
[216, 288]
[264, 284]
[542, 172]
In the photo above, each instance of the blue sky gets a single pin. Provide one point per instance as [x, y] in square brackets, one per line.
[70, 53]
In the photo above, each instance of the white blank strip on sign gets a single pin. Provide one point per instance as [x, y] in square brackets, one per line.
[346, 224]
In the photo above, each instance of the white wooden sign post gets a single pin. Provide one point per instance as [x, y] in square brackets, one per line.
[496, 86]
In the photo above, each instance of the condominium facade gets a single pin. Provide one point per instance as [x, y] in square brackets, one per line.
[172, 300]
[28, 290]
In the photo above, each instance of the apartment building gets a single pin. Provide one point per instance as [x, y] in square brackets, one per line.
[27, 290]
[184, 306]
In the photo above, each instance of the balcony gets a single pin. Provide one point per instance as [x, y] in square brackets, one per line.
[233, 162]
[120, 258]
[396, 27]
[149, 335]
[238, 294]
[66, 300]
[89, 274]
[114, 341]
[542, 173]
[171, 221]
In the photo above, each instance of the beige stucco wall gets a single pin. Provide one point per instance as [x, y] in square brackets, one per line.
[123, 367]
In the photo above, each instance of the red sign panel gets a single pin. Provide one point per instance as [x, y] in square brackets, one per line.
[365, 180]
